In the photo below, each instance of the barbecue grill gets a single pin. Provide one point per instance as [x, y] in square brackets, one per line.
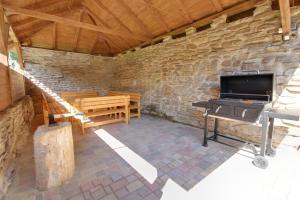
[246, 97]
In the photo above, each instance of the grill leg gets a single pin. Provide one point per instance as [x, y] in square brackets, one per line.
[205, 129]
[270, 151]
[264, 134]
[216, 129]
[260, 160]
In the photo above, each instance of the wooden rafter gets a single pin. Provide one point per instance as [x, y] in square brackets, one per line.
[157, 15]
[153, 7]
[285, 16]
[77, 33]
[68, 22]
[100, 22]
[101, 6]
[182, 7]
[139, 22]
[54, 35]
[217, 4]
[96, 20]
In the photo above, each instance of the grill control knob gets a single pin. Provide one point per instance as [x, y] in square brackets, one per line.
[244, 113]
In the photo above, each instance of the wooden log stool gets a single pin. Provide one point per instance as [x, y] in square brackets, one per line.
[54, 155]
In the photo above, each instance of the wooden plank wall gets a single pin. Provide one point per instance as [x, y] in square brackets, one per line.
[16, 78]
[5, 96]
[5, 93]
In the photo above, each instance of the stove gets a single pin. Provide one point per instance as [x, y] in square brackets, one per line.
[246, 98]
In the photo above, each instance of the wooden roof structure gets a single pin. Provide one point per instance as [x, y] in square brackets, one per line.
[108, 27]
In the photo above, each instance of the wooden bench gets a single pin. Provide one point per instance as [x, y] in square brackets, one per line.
[135, 102]
[50, 106]
[71, 96]
[103, 110]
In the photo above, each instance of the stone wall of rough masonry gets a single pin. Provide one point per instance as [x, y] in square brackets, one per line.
[173, 74]
[67, 71]
[15, 125]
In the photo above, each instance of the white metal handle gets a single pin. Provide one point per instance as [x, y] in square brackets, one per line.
[244, 113]
[217, 110]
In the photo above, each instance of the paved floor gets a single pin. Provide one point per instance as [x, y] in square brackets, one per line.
[150, 158]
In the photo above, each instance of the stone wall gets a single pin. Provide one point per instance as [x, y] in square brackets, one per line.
[52, 72]
[173, 74]
[15, 125]
[66, 71]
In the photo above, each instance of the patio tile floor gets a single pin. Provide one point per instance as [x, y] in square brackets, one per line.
[173, 149]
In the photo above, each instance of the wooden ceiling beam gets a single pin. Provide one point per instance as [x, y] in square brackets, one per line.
[217, 4]
[77, 33]
[184, 11]
[30, 31]
[65, 21]
[42, 7]
[23, 24]
[136, 18]
[285, 16]
[157, 15]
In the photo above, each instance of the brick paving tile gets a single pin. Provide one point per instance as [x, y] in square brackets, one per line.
[86, 186]
[106, 181]
[116, 176]
[153, 186]
[109, 197]
[134, 185]
[119, 184]
[131, 178]
[152, 197]
[143, 191]
[107, 189]
[98, 192]
[132, 196]
[96, 181]
[77, 197]
[87, 195]
[158, 193]
[121, 192]
[70, 190]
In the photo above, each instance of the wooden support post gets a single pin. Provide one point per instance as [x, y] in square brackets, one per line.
[5, 86]
[285, 16]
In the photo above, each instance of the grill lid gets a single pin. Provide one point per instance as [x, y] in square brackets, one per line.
[247, 87]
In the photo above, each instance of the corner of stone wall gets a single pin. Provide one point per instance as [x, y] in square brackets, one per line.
[15, 125]
[262, 7]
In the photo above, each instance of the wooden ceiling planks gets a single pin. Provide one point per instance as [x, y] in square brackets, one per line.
[109, 27]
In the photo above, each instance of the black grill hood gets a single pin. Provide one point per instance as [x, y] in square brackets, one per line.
[247, 87]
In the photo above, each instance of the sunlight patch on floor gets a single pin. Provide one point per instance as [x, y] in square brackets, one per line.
[143, 167]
